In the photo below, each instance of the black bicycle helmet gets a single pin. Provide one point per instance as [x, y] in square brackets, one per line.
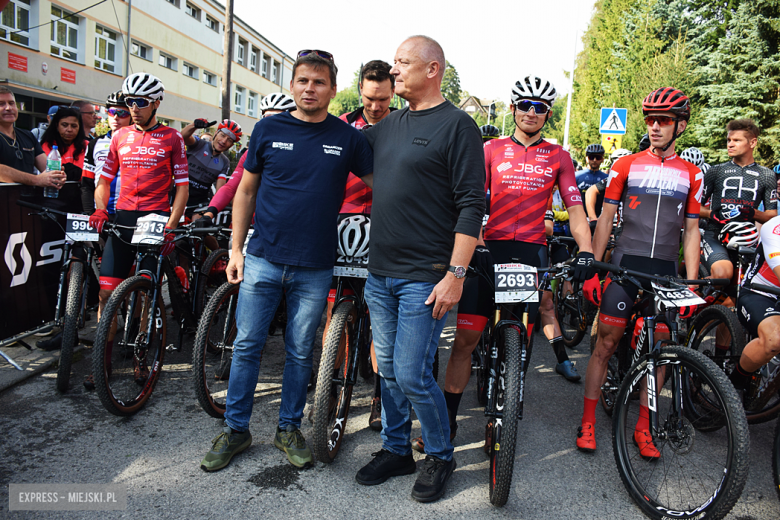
[116, 99]
[644, 143]
[489, 132]
[594, 149]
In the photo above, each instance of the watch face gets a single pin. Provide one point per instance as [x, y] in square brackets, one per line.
[460, 272]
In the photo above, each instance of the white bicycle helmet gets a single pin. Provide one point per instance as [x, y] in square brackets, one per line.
[620, 152]
[277, 101]
[143, 84]
[353, 236]
[735, 234]
[704, 167]
[534, 87]
[693, 155]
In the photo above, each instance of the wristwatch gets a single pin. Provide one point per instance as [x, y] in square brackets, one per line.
[458, 270]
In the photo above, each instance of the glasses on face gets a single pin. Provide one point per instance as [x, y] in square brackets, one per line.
[139, 102]
[88, 113]
[661, 120]
[526, 105]
[118, 112]
[596, 157]
[321, 54]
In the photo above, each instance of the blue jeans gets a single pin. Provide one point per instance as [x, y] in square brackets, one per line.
[405, 340]
[306, 291]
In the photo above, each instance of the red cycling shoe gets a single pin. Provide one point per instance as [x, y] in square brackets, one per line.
[644, 441]
[586, 440]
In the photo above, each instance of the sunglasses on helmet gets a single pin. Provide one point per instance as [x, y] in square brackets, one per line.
[526, 105]
[118, 112]
[321, 54]
[139, 102]
[661, 120]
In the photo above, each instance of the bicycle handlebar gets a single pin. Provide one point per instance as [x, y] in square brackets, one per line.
[763, 288]
[40, 208]
[665, 279]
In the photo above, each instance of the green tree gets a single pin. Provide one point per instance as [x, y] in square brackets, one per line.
[348, 99]
[450, 84]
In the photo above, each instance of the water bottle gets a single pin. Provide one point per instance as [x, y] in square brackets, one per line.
[53, 162]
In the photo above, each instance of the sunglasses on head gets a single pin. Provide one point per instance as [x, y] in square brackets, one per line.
[139, 102]
[526, 105]
[321, 54]
[118, 112]
[661, 120]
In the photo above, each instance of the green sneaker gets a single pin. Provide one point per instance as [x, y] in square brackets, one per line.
[224, 447]
[294, 445]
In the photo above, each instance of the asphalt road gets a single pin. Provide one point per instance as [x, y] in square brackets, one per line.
[53, 438]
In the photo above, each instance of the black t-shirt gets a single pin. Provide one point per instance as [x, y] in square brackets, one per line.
[429, 183]
[27, 144]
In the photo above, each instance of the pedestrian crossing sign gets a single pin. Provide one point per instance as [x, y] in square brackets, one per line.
[613, 121]
[611, 143]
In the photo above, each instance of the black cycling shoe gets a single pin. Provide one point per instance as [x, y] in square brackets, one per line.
[53, 343]
[432, 480]
[385, 465]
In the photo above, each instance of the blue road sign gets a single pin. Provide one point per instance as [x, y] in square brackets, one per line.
[613, 121]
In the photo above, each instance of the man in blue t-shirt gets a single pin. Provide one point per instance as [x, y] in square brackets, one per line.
[586, 178]
[303, 159]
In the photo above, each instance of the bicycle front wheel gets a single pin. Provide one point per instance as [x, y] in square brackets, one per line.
[126, 370]
[334, 389]
[696, 473]
[212, 277]
[70, 325]
[504, 436]
[212, 352]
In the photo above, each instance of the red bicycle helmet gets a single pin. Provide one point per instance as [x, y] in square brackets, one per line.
[668, 99]
[231, 129]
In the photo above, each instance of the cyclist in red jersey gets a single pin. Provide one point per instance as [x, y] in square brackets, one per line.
[521, 172]
[377, 87]
[660, 195]
[151, 157]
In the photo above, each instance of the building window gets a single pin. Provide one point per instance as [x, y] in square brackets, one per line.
[240, 51]
[210, 78]
[265, 66]
[166, 122]
[105, 48]
[168, 62]
[173, 2]
[190, 70]
[251, 104]
[141, 50]
[212, 24]
[253, 60]
[192, 11]
[275, 73]
[15, 22]
[64, 34]
[239, 99]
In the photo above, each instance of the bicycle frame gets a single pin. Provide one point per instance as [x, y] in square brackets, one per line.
[358, 300]
[494, 373]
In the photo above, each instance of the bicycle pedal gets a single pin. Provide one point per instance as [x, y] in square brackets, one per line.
[173, 348]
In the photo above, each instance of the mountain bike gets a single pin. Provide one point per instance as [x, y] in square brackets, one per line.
[126, 370]
[697, 473]
[71, 309]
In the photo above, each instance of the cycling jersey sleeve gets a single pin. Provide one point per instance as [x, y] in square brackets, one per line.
[179, 160]
[226, 193]
[616, 183]
[488, 150]
[567, 182]
[770, 241]
[111, 166]
[770, 190]
[601, 186]
[709, 184]
[693, 200]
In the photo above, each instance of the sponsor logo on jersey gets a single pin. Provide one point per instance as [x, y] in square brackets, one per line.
[155, 141]
[776, 231]
[530, 168]
[130, 139]
[282, 146]
[745, 313]
[542, 150]
[126, 149]
[773, 195]
[572, 188]
[542, 158]
[158, 136]
[331, 150]
[751, 172]
[660, 178]
[737, 183]
[576, 198]
[420, 141]
[774, 255]
[504, 166]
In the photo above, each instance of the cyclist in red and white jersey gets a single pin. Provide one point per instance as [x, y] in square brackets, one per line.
[151, 158]
[521, 171]
[660, 194]
[758, 311]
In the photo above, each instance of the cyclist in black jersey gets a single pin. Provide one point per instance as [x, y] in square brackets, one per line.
[735, 189]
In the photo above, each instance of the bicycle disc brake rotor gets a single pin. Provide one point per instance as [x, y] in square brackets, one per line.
[680, 435]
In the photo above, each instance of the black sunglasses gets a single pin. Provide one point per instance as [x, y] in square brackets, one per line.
[596, 157]
[321, 54]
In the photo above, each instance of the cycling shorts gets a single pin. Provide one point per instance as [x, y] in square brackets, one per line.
[617, 301]
[753, 308]
[119, 254]
[476, 302]
[501, 252]
[712, 250]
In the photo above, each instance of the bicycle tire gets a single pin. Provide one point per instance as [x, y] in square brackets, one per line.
[698, 475]
[209, 282]
[212, 351]
[70, 324]
[504, 436]
[333, 393]
[569, 319]
[180, 303]
[776, 459]
[365, 366]
[482, 372]
[114, 378]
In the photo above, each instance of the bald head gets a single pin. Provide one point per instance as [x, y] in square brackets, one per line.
[428, 50]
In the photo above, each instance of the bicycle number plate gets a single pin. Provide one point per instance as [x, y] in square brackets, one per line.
[149, 230]
[246, 242]
[676, 297]
[77, 229]
[516, 283]
[357, 268]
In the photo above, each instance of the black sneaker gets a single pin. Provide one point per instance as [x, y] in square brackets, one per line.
[385, 465]
[432, 480]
